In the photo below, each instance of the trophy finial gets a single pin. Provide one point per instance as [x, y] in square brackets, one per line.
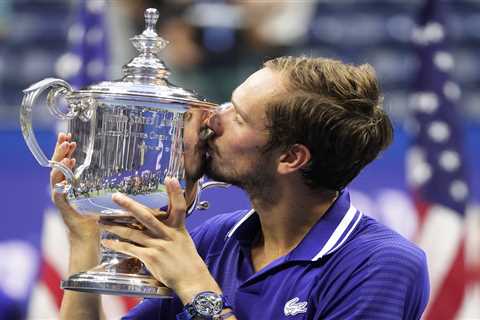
[147, 67]
[151, 18]
[149, 39]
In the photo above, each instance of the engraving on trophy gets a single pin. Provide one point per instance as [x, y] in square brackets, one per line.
[141, 119]
[129, 141]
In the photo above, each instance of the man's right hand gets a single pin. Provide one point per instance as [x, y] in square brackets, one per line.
[82, 228]
[84, 236]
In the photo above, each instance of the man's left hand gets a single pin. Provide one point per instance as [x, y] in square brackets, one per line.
[165, 246]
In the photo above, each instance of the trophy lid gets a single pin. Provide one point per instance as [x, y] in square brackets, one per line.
[146, 76]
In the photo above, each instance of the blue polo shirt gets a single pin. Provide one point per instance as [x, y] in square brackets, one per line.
[348, 266]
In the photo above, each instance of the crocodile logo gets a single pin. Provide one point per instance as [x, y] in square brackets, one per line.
[294, 307]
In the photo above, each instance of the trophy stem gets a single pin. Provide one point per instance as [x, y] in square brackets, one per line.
[118, 273]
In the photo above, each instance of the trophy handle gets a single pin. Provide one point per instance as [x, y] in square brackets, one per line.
[203, 185]
[57, 88]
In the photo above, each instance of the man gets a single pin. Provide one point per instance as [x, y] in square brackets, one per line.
[293, 136]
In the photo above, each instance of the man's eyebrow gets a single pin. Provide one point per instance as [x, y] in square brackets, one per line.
[242, 114]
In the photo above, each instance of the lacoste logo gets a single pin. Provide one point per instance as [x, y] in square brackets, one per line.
[293, 307]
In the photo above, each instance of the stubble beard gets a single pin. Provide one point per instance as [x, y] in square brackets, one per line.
[257, 182]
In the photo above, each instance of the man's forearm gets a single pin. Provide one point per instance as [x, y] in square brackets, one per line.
[79, 305]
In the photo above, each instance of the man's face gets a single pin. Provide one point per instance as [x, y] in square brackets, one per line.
[235, 152]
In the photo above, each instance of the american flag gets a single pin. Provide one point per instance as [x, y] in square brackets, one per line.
[437, 171]
[85, 63]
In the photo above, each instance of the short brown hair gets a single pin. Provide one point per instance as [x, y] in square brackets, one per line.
[335, 110]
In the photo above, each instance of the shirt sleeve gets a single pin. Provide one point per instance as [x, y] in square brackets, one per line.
[389, 284]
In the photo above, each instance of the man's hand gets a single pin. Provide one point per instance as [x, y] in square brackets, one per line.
[81, 228]
[83, 236]
[165, 246]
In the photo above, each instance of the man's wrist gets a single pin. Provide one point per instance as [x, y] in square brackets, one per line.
[83, 257]
[200, 281]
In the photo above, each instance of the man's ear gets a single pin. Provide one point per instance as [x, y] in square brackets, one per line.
[294, 158]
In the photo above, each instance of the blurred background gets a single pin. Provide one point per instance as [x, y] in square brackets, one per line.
[427, 58]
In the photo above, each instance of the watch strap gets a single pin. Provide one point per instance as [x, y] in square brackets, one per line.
[185, 315]
[188, 313]
[223, 316]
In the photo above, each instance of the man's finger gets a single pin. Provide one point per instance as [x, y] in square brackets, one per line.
[136, 236]
[126, 248]
[142, 213]
[61, 150]
[69, 214]
[178, 205]
[61, 147]
[71, 149]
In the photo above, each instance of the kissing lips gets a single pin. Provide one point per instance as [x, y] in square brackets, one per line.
[206, 133]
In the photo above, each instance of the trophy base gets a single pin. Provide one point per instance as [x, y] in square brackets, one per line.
[117, 284]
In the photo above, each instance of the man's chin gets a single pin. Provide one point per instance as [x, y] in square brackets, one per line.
[216, 175]
[212, 173]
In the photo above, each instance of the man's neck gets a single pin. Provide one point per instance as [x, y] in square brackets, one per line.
[286, 221]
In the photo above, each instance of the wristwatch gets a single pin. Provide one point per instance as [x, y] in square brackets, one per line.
[206, 305]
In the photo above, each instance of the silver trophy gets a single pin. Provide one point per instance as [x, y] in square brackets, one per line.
[130, 135]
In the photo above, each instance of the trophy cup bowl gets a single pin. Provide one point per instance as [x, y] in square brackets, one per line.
[130, 136]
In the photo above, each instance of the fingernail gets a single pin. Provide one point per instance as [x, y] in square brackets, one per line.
[106, 243]
[64, 145]
[118, 197]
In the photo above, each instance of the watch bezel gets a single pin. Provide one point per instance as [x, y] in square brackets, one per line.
[208, 303]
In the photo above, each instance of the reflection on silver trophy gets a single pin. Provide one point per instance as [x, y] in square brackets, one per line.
[130, 135]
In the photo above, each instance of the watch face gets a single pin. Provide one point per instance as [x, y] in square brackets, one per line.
[208, 304]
